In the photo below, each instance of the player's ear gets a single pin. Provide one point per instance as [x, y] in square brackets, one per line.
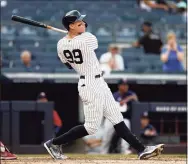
[71, 26]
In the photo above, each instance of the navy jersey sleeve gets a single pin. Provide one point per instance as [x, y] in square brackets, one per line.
[130, 93]
[115, 94]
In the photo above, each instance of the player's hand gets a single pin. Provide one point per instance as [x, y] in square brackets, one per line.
[168, 47]
[166, 8]
[175, 47]
[122, 102]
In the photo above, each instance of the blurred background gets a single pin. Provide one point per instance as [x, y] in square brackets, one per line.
[142, 52]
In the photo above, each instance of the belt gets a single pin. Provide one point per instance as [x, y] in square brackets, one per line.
[96, 76]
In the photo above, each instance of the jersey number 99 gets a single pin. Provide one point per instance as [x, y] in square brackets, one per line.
[74, 57]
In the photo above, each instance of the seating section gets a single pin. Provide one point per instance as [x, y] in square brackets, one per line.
[119, 22]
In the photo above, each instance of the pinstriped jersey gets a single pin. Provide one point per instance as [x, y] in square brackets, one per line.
[79, 53]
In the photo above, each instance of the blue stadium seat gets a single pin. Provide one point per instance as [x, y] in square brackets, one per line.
[139, 67]
[44, 70]
[49, 63]
[13, 70]
[129, 58]
[64, 70]
[19, 64]
[47, 57]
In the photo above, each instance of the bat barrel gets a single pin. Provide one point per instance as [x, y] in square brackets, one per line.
[28, 21]
[35, 23]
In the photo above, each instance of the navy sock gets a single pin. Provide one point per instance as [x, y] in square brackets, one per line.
[73, 134]
[125, 133]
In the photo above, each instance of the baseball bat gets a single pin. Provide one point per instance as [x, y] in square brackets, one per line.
[35, 23]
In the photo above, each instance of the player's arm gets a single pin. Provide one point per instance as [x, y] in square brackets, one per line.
[90, 40]
[121, 63]
[61, 58]
[63, 61]
[139, 42]
[156, 5]
[165, 54]
[136, 44]
[180, 54]
[132, 97]
[68, 65]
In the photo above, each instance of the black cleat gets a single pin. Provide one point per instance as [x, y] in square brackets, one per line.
[54, 150]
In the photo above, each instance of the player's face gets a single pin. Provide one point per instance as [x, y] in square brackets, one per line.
[172, 41]
[114, 51]
[146, 28]
[144, 122]
[26, 59]
[79, 27]
[43, 100]
[123, 88]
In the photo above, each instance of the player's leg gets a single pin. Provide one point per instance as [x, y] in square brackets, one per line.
[112, 112]
[5, 154]
[93, 116]
[124, 144]
[107, 136]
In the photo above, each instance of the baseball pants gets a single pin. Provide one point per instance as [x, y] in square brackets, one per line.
[109, 131]
[98, 102]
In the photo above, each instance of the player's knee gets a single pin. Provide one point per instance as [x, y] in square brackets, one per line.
[91, 129]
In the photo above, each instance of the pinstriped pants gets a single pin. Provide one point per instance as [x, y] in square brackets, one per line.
[98, 102]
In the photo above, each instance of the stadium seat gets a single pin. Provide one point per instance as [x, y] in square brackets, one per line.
[50, 63]
[44, 70]
[13, 70]
[139, 67]
[64, 70]
[129, 58]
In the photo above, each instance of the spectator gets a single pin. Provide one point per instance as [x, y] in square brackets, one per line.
[151, 42]
[57, 120]
[172, 55]
[124, 98]
[149, 5]
[148, 132]
[181, 6]
[5, 153]
[26, 62]
[112, 60]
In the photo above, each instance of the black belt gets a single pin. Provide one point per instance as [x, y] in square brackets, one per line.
[96, 76]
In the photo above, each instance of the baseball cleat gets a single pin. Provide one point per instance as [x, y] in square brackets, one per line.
[7, 156]
[151, 151]
[54, 150]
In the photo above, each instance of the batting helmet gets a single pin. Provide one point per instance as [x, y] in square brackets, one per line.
[71, 17]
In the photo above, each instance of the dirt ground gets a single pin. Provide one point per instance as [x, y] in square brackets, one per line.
[96, 160]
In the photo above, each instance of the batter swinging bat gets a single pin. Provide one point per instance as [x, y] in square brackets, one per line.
[35, 23]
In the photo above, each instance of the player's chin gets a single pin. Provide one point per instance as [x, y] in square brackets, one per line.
[83, 30]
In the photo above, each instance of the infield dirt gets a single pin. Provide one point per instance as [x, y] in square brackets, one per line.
[93, 159]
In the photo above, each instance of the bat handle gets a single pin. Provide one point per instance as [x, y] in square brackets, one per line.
[56, 29]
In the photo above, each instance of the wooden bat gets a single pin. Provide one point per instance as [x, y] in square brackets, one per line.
[35, 23]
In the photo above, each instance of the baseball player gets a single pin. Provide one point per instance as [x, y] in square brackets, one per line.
[77, 51]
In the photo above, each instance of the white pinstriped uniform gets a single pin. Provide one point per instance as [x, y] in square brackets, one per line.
[96, 96]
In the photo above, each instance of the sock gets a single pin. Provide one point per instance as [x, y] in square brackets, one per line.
[125, 133]
[73, 134]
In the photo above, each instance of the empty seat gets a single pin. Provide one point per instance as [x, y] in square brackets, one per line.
[128, 59]
[64, 70]
[13, 70]
[139, 67]
[47, 57]
[50, 63]
[44, 70]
